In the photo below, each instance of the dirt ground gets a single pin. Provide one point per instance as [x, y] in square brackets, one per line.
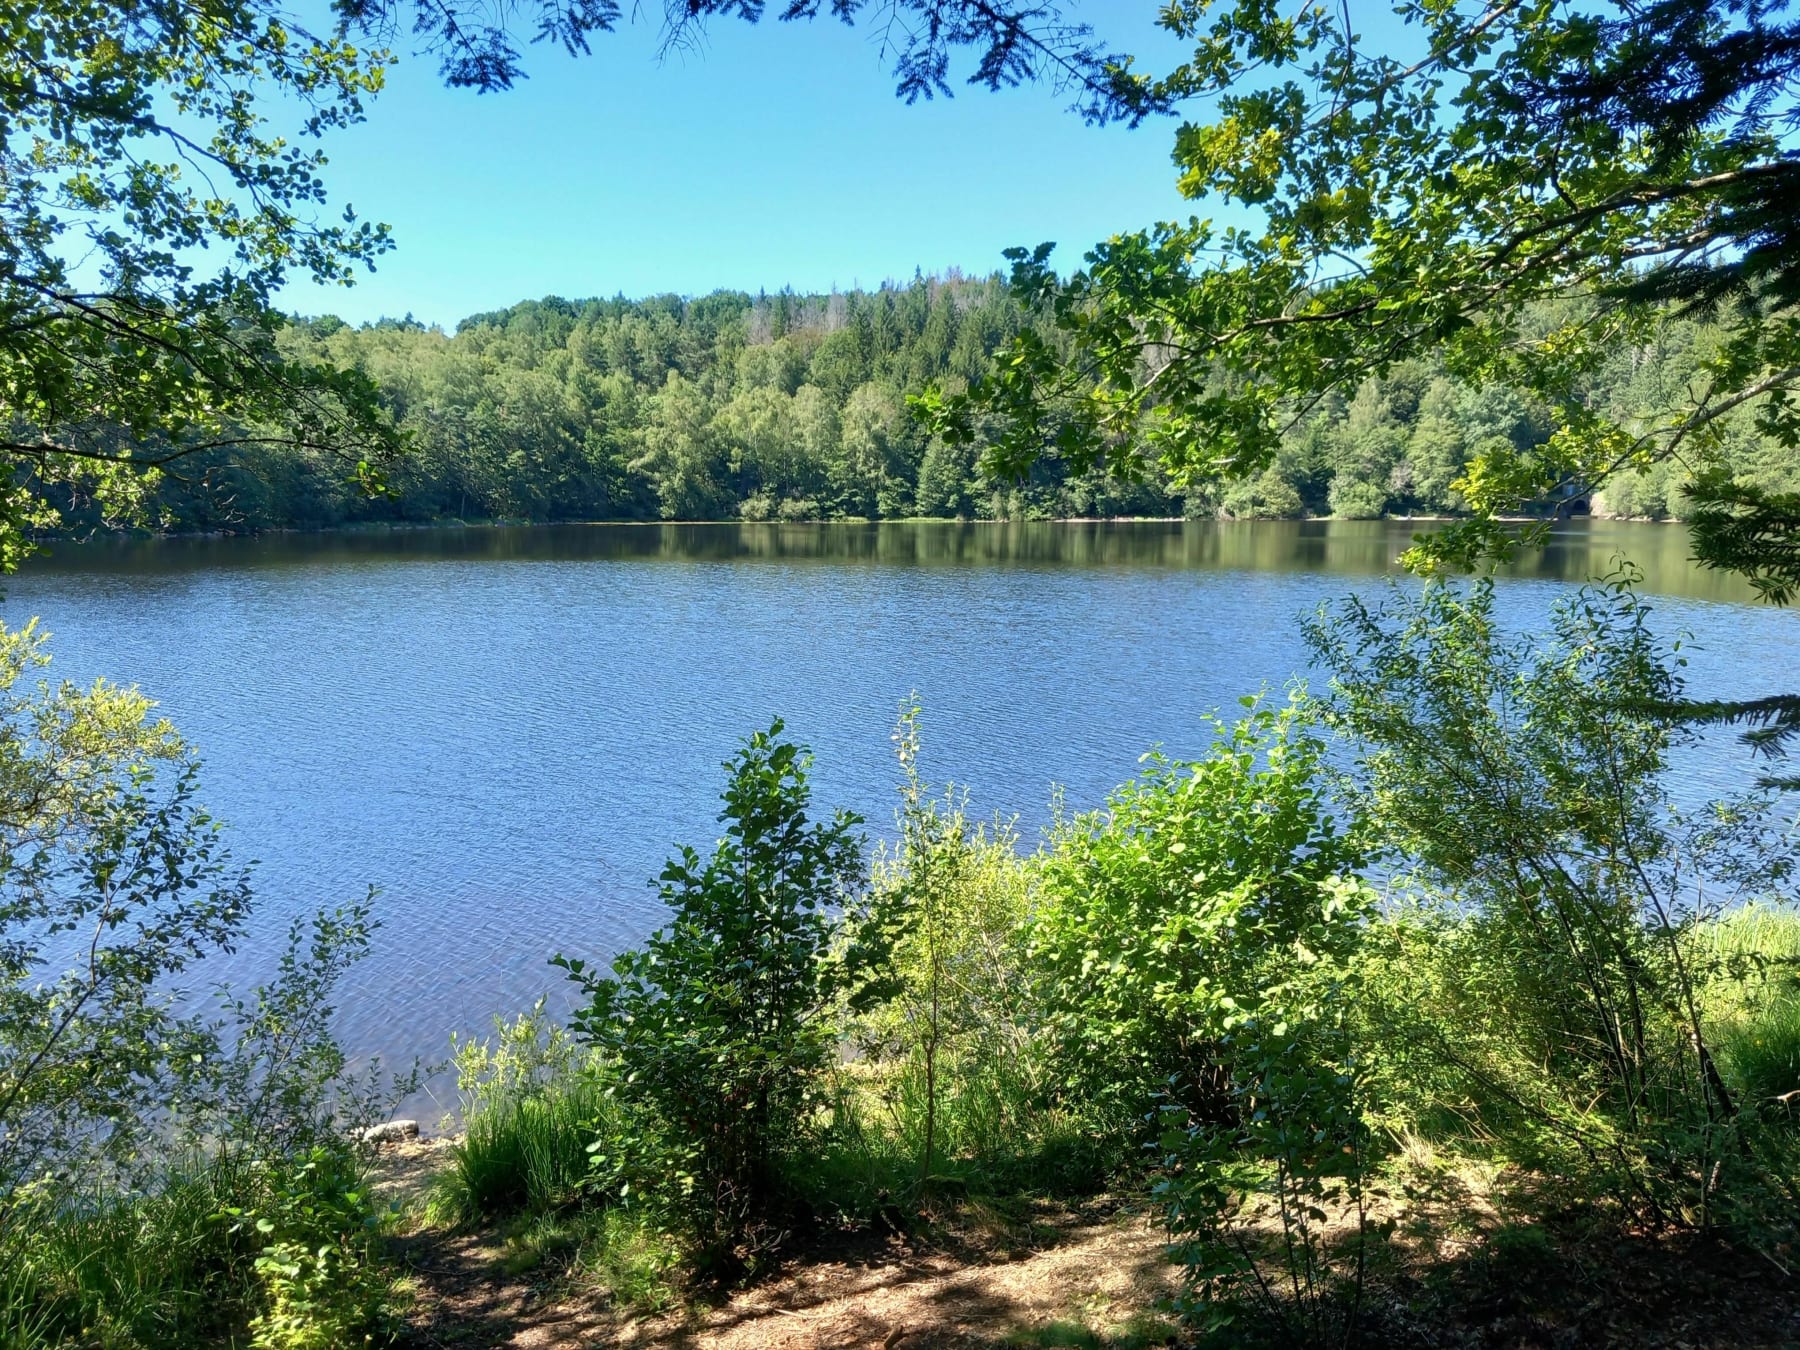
[1475, 1263]
[1065, 1279]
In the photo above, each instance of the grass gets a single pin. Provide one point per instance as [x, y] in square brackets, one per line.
[993, 1139]
[1756, 1019]
[526, 1164]
[529, 1152]
[130, 1271]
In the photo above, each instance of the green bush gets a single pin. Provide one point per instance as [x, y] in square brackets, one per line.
[1294, 1148]
[1197, 944]
[168, 1172]
[954, 1064]
[1553, 979]
[1169, 915]
[722, 1027]
[283, 1253]
[319, 1267]
[128, 1270]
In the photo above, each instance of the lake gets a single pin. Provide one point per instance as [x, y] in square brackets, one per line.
[506, 729]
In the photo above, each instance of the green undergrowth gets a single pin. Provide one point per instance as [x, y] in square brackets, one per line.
[1757, 1015]
[220, 1250]
[123, 1271]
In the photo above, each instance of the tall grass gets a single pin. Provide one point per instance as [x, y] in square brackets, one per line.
[1756, 1010]
[527, 1151]
[151, 1271]
[544, 1158]
[542, 1130]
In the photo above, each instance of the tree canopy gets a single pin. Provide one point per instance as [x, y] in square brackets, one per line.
[1440, 190]
[160, 179]
[148, 212]
[1433, 193]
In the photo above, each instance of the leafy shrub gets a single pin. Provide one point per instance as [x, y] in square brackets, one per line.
[113, 884]
[128, 1269]
[1553, 976]
[221, 1245]
[1196, 944]
[322, 1283]
[1167, 916]
[955, 1060]
[132, 1118]
[723, 1024]
[1291, 1155]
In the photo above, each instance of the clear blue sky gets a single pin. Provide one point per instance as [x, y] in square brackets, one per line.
[777, 156]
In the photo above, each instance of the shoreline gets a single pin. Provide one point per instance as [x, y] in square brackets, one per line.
[409, 527]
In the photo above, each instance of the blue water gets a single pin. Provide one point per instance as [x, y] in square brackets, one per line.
[506, 731]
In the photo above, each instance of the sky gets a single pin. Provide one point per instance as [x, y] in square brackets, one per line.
[777, 155]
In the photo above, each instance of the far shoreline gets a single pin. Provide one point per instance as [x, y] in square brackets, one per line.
[123, 536]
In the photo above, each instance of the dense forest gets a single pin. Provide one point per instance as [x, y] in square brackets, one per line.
[794, 407]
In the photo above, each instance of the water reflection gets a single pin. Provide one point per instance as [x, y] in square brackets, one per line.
[1576, 550]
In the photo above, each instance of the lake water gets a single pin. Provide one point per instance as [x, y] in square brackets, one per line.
[506, 730]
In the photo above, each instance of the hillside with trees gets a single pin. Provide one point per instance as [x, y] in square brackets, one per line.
[795, 407]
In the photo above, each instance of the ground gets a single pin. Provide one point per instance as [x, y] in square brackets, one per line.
[1478, 1261]
[1057, 1277]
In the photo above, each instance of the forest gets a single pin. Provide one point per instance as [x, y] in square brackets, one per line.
[795, 407]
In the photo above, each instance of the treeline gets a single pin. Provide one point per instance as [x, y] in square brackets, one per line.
[793, 407]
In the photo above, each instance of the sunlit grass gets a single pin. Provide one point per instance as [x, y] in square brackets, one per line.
[1756, 1015]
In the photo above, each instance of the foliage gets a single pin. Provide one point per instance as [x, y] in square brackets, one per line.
[1195, 947]
[723, 1023]
[165, 1170]
[129, 1270]
[132, 143]
[321, 1281]
[1430, 192]
[539, 1124]
[111, 887]
[1163, 920]
[795, 406]
[222, 1245]
[279, 1083]
[952, 1069]
[1292, 1153]
[1521, 781]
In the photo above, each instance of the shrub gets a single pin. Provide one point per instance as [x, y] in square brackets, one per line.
[956, 1061]
[1292, 1153]
[1164, 917]
[132, 1117]
[724, 1023]
[319, 1268]
[1555, 973]
[1196, 943]
[113, 884]
[221, 1246]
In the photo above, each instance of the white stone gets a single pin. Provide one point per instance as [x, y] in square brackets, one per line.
[392, 1132]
